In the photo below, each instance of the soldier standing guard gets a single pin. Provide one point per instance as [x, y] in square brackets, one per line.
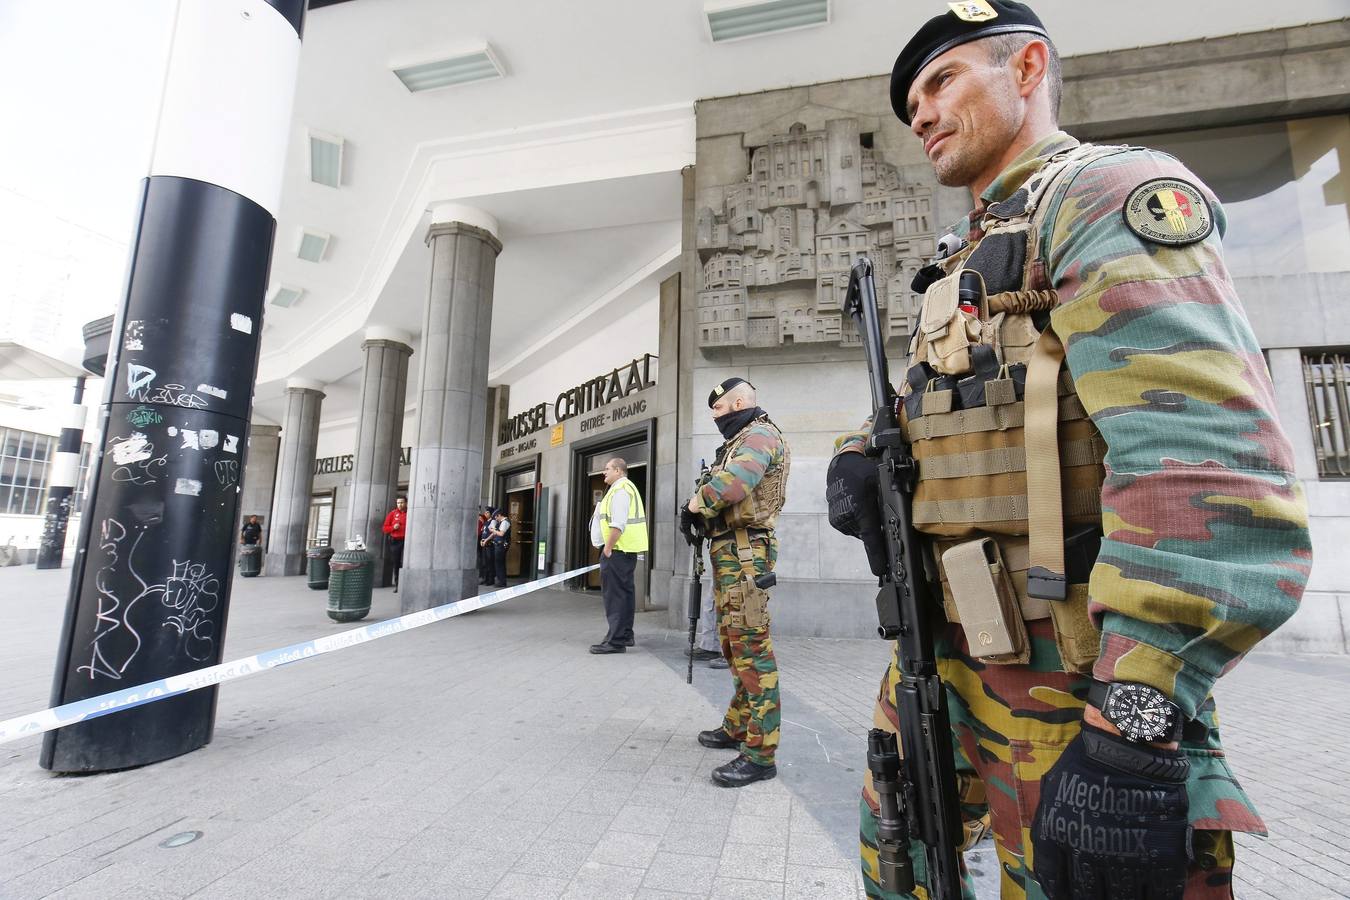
[739, 502]
[1109, 536]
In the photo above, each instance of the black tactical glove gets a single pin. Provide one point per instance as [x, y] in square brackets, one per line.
[691, 526]
[851, 492]
[1112, 823]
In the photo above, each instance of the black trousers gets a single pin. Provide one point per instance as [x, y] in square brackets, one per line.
[485, 563]
[499, 549]
[616, 587]
[396, 556]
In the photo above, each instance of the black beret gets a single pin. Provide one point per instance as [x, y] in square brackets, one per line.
[723, 388]
[968, 21]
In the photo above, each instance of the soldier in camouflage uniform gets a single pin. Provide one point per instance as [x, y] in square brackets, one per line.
[739, 504]
[1167, 448]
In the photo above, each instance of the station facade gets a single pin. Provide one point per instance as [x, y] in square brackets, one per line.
[787, 188]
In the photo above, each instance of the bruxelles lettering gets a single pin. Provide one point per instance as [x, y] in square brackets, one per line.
[332, 465]
[577, 401]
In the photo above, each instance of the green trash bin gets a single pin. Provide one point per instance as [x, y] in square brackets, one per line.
[318, 567]
[349, 585]
[250, 560]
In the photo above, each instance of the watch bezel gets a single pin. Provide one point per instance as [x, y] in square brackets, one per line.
[1134, 725]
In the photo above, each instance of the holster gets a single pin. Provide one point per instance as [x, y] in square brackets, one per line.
[748, 604]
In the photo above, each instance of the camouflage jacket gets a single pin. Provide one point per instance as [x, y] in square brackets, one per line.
[1206, 547]
[761, 448]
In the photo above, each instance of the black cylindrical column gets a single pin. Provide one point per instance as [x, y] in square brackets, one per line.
[151, 582]
[65, 478]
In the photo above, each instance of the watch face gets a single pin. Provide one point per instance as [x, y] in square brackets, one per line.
[1140, 712]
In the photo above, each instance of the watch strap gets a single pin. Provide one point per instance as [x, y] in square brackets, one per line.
[1136, 759]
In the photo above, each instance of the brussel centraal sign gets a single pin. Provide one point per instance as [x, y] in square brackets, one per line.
[637, 375]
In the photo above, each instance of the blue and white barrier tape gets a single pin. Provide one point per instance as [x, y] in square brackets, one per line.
[102, 705]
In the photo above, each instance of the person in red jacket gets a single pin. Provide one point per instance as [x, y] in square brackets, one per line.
[396, 527]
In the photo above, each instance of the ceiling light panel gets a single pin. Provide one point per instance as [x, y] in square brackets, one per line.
[325, 159]
[313, 245]
[286, 296]
[732, 20]
[479, 65]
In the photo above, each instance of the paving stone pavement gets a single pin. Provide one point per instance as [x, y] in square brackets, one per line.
[492, 756]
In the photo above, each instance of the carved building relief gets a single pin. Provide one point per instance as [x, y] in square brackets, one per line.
[776, 247]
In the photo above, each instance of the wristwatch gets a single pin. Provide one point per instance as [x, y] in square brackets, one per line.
[1143, 714]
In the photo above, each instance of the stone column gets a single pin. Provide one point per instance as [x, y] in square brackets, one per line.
[295, 479]
[498, 400]
[379, 438]
[260, 473]
[440, 562]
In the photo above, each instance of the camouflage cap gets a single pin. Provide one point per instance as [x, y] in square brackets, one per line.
[962, 22]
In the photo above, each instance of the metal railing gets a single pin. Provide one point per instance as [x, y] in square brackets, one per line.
[1326, 378]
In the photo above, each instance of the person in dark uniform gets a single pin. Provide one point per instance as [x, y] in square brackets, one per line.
[499, 531]
[251, 533]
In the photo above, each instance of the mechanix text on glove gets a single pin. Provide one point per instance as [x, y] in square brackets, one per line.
[1112, 822]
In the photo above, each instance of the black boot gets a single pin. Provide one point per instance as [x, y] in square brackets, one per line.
[741, 771]
[717, 739]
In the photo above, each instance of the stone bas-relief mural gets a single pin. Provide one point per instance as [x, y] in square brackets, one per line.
[776, 247]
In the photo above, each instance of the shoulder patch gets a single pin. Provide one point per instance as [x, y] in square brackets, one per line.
[1168, 211]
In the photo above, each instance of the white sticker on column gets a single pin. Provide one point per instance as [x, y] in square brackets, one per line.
[231, 443]
[133, 449]
[190, 441]
[209, 438]
[172, 430]
[213, 391]
[190, 486]
[241, 323]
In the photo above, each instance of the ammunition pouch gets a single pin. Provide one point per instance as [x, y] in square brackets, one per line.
[1078, 640]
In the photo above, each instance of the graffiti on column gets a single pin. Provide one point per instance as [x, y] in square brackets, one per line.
[776, 247]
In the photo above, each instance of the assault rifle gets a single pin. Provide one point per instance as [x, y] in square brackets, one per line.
[917, 791]
[692, 528]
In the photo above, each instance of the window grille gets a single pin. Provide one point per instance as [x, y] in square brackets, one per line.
[1326, 377]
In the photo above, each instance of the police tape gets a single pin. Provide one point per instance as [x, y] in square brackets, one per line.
[141, 694]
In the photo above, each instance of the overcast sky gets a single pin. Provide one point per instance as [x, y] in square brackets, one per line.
[82, 81]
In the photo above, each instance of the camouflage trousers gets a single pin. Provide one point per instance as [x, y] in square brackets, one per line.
[1009, 725]
[743, 631]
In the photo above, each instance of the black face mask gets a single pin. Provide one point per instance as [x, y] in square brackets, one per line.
[731, 423]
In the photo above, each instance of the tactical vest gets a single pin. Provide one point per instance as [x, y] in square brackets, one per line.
[759, 508]
[1005, 449]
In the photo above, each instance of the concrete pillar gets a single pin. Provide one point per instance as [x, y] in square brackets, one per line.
[1291, 395]
[440, 557]
[260, 473]
[379, 438]
[498, 401]
[665, 539]
[295, 479]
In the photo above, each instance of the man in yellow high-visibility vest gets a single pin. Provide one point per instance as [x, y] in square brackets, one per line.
[619, 528]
